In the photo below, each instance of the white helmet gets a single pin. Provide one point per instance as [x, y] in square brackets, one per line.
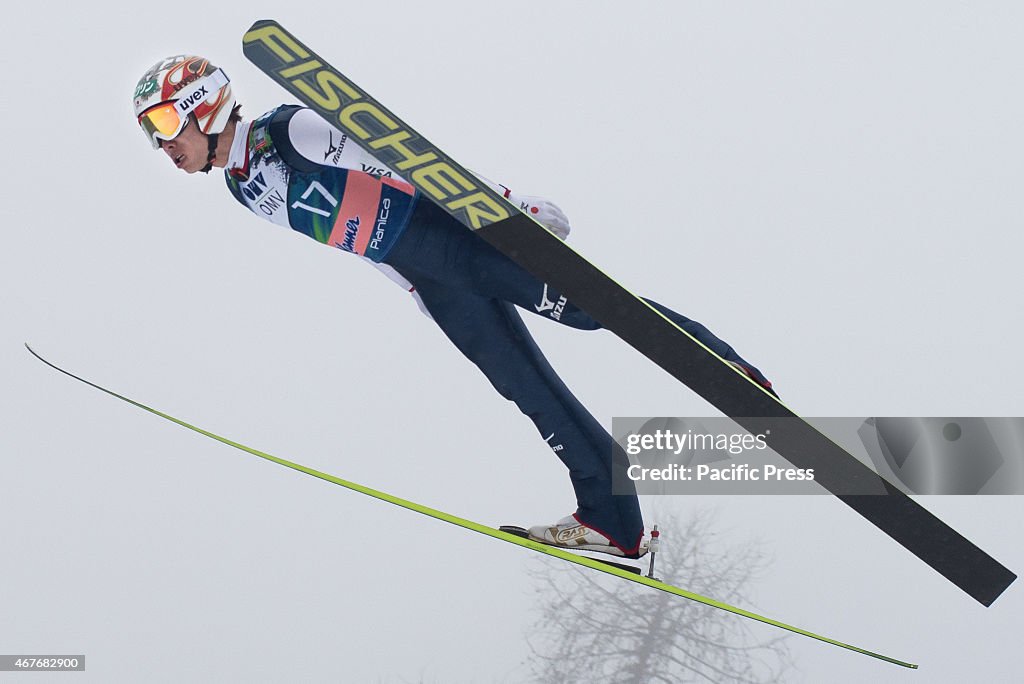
[176, 87]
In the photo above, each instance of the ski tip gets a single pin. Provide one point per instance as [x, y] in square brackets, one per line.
[257, 26]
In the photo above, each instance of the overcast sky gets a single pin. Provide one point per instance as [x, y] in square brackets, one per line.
[833, 188]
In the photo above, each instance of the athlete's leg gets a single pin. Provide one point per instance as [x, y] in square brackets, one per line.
[491, 334]
[437, 247]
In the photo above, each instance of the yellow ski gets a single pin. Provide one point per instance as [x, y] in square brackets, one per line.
[489, 531]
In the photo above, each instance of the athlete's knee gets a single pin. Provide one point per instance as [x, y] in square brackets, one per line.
[573, 316]
[580, 321]
[507, 381]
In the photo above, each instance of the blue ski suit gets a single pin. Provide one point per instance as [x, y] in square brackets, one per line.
[296, 170]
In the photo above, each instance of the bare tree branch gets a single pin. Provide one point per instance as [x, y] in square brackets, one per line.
[594, 628]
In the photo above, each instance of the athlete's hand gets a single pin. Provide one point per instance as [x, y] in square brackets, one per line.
[546, 212]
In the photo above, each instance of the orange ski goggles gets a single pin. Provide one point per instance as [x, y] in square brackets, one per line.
[162, 123]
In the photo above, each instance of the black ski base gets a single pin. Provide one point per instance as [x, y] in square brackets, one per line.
[522, 532]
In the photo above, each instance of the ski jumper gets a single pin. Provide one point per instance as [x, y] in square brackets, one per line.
[294, 169]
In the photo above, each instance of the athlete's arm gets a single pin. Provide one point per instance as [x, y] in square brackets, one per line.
[546, 212]
[321, 143]
[318, 142]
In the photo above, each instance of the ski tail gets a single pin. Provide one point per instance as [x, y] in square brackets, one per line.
[483, 529]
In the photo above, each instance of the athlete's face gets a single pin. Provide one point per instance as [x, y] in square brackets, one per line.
[188, 151]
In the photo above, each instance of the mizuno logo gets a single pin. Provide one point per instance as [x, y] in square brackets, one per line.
[546, 304]
[333, 149]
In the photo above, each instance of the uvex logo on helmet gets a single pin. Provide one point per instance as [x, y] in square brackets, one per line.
[186, 103]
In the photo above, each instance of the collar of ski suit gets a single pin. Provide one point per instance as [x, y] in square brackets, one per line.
[238, 156]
